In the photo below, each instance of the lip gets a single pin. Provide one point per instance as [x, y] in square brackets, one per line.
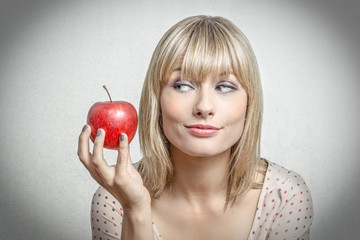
[200, 126]
[202, 130]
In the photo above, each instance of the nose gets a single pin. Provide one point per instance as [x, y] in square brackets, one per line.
[204, 106]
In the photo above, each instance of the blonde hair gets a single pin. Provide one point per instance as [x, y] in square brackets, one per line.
[201, 45]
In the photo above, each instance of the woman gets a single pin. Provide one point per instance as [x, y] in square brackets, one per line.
[201, 176]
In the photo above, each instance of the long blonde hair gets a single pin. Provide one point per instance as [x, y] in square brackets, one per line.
[201, 44]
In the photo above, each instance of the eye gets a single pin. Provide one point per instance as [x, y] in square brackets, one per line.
[225, 87]
[182, 86]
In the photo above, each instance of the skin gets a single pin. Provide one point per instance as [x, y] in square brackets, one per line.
[192, 207]
[217, 101]
[122, 181]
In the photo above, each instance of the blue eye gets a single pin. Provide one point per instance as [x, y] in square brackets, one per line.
[225, 88]
[182, 87]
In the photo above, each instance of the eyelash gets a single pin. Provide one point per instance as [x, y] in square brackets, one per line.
[232, 88]
[177, 85]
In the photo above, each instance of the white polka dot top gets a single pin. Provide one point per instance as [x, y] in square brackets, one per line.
[284, 210]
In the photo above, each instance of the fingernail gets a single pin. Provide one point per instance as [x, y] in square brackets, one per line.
[98, 132]
[122, 137]
[84, 128]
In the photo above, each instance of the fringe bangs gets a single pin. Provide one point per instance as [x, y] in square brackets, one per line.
[201, 49]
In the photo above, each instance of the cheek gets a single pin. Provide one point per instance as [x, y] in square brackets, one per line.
[170, 110]
[236, 119]
[236, 111]
[172, 115]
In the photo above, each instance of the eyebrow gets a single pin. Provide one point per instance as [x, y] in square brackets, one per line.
[224, 73]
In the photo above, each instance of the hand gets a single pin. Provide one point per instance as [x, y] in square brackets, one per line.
[122, 180]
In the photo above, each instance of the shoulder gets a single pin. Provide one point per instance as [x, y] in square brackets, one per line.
[287, 190]
[285, 206]
[104, 200]
[106, 215]
[284, 181]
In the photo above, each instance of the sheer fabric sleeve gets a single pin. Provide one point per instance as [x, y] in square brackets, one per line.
[295, 215]
[106, 216]
[285, 208]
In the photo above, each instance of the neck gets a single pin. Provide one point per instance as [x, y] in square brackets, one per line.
[198, 179]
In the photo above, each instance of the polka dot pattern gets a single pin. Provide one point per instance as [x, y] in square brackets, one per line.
[284, 210]
[107, 215]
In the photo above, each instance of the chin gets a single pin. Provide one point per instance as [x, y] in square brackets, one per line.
[202, 147]
[202, 151]
[200, 154]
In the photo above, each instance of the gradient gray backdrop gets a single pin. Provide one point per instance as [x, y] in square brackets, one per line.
[56, 55]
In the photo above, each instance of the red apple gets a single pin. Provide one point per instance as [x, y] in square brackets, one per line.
[115, 117]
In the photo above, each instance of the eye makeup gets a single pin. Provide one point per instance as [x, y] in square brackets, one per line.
[182, 86]
[225, 87]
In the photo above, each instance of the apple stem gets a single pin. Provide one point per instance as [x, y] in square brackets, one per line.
[107, 93]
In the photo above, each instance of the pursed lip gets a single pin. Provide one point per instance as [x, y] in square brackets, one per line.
[201, 126]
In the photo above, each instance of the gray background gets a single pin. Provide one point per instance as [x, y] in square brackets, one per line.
[56, 55]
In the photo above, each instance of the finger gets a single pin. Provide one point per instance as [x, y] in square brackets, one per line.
[85, 155]
[83, 147]
[123, 155]
[98, 159]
